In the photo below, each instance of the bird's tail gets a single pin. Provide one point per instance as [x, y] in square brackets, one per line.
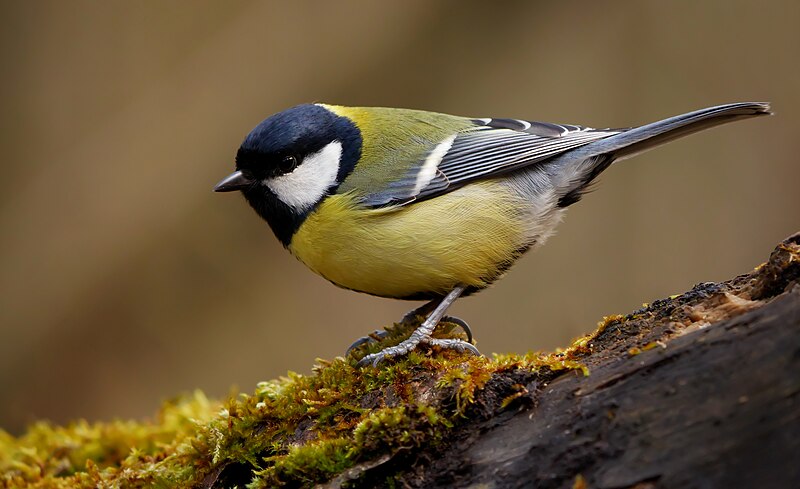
[580, 166]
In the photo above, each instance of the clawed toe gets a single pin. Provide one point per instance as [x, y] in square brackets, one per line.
[403, 348]
[374, 359]
[444, 343]
[366, 339]
[459, 322]
[453, 344]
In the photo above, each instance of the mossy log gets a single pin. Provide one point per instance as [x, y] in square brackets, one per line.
[698, 390]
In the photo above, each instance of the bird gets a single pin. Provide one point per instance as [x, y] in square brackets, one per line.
[417, 205]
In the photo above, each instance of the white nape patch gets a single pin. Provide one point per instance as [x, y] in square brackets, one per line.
[431, 163]
[312, 178]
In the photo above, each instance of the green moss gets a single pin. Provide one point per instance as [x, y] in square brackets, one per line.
[295, 431]
[306, 465]
[143, 454]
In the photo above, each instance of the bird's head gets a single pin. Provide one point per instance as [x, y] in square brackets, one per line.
[291, 161]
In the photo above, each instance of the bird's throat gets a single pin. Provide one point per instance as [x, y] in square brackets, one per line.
[283, 219]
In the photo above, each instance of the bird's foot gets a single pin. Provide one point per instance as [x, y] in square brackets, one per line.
[452, 344]
[422, 334]
[409, 320]
[406, 346]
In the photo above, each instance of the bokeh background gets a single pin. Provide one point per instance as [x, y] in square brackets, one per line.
[124, 280]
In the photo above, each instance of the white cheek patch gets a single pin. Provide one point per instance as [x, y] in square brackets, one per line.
[309, 182]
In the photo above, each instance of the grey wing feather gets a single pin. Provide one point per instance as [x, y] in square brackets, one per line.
[490, 148]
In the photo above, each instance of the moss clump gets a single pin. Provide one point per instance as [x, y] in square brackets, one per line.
[140, 454]
[295, 431]
[401, 427]
[306, 465]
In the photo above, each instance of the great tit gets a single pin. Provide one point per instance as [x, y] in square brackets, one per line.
[419, 205]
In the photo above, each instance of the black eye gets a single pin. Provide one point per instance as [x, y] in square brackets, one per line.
[287, 164]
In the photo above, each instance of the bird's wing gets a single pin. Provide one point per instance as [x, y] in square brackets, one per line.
[489, 148]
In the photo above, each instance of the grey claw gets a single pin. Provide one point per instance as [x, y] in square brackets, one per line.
[460, 322]
[367, 360]
[364, 340]
[453, 344]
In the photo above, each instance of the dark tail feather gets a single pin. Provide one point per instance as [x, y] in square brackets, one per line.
[589, 161]
[643, 138]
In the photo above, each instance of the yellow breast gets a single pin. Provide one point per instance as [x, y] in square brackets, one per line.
[464, 237]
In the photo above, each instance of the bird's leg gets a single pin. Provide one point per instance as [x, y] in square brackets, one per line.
[422, 310]
[409, 319]
[423, 335]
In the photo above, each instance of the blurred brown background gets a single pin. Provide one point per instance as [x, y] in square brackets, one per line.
[124, 280]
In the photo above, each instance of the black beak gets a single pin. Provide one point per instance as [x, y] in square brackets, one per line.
[235, 181]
